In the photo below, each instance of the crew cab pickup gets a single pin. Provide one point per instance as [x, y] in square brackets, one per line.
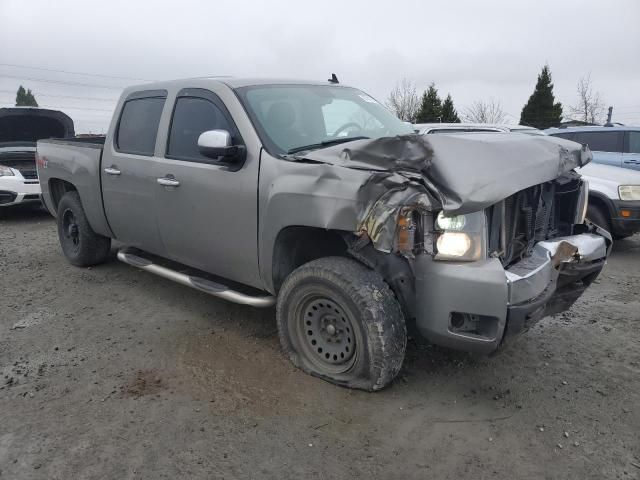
[20, 128]
[314, 197]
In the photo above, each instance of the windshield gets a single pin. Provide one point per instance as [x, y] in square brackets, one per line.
[291, 117]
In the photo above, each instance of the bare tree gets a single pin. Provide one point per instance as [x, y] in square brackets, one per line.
[590, 107]
[482, 111]
[403, 100]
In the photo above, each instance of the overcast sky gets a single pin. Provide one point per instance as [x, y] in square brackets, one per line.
[471, 49]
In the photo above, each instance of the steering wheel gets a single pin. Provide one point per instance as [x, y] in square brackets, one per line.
[344, 127]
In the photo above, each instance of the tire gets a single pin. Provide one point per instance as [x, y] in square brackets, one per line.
[622, 237]
[80, 244]
[340, 321]
[597, 216]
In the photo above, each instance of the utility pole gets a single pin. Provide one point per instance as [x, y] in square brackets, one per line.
[609, 114]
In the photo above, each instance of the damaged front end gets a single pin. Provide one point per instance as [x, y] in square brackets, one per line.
[491, 230]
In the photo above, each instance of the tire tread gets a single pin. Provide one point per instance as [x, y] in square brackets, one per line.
[381, 312]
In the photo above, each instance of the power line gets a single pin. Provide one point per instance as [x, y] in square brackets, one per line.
[68, 96]
[74, 73]
[61, 82]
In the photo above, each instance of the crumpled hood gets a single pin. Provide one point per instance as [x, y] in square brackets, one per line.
[466, 172]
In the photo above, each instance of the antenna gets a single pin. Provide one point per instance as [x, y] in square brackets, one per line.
[333, 79]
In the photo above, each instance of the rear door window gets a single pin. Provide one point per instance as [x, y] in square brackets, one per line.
[138, 125]
[191, 117]
[601, 141]
[633, 142]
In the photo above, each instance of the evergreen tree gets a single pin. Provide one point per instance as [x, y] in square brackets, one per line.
[449, 114]
[25, 98]
[541, 111]
[430, 110]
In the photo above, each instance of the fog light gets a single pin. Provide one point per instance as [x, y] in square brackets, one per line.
[625, 213]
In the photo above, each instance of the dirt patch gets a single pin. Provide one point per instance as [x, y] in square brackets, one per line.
[145, 382]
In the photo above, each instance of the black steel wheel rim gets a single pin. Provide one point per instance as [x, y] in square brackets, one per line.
[70, 229]
[326, 333]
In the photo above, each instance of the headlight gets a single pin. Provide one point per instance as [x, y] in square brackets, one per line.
[453, 244]
[462, 237]
[450, 223]
[629, 192]
[6, 171]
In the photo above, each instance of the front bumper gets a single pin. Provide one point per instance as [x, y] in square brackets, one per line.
[15, 190]
[625, 219]
[477, 306]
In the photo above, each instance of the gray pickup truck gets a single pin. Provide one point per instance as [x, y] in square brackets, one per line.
[314, 197]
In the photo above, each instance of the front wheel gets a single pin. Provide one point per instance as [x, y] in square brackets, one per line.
[597, 216]
[340, 321]
[80, 244]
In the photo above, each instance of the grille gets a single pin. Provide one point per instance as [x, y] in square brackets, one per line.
[29, 174]
[537, 213]
[24, 162]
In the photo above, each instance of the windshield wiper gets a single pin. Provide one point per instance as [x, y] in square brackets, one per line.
[326, 143]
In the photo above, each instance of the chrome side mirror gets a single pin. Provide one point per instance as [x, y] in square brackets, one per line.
[217, 145]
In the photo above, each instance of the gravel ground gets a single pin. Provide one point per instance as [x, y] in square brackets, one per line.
[112, 373]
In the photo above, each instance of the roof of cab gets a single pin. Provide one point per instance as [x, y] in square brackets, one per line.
[231, 82]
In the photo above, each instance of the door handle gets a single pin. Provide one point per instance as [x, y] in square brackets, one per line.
[168, 182]
[635, 162]
[112, 171]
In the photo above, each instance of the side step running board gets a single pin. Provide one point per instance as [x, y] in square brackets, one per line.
[199, 283]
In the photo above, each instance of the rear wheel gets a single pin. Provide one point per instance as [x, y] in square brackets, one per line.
[80, 244]
[339, 320]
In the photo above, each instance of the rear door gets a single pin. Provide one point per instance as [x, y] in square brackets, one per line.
[208, 219]
[605, 144]
[128, 177]
[631, 155]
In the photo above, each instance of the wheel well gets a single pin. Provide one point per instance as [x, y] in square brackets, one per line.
[58, 188]
[601, 204]
[296, 246]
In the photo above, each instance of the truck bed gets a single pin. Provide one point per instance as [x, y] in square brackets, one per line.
[73, 161]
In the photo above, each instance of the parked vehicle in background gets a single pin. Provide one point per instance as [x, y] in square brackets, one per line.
[525, 129]
[20, 128]
[617, 145]
[427, 128]
[614, 198]
[315, 197]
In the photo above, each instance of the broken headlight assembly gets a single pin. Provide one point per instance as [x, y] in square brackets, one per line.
[6, 171]
[460, 237]
[406, 231]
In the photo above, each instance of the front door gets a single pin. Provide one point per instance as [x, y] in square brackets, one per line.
[128, 174]
[207, 210]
